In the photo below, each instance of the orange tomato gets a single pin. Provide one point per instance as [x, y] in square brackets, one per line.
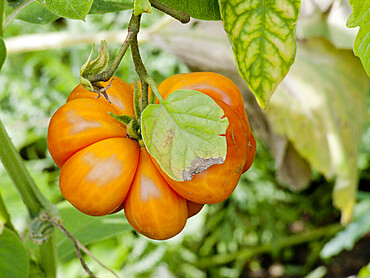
[152, 207]
[97, 178]
[103, 171]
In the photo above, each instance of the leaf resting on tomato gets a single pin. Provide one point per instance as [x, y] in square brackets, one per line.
[183, 133]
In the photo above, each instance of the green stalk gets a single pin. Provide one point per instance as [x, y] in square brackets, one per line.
[139, 65]
[180, 16]
[32, 197]
[48, 256]
[106, 75]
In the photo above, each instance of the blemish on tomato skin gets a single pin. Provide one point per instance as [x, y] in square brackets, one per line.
[79, 123]
[232, 136]
[103, 171]
[239, 169]
[117, 102]
[148, 189]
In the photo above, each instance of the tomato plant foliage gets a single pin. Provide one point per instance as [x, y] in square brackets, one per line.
[163, 163]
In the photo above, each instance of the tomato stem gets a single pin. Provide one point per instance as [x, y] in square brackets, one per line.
[106, 75]
[131, 40]
[180, 16]
[138, 107]
[140, 68]
[145, 92]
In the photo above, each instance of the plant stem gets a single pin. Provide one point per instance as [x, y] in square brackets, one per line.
[77, 245]
[48, 256]
[139, 65]
[180, 16]
[145, 92]
[32, 197]
[248, 253]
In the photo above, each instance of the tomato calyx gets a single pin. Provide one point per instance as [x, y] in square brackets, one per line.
[101, 90]
[132, 125]
[133, 130]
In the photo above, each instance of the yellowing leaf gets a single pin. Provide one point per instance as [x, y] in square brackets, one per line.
[263, 37]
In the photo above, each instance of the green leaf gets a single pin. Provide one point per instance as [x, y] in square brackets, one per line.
[263, 37]
[142, 6]
[108, 6]
[73, 9]
[321, 108]
[361, 18]
[200, 9]
[34, 13]
[2, 52]
[87, 229]
[182, 133]
[14, 261]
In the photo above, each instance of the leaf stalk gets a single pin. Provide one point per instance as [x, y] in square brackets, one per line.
[180, 16]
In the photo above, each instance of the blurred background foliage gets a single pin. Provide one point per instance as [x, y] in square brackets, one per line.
[280, 221]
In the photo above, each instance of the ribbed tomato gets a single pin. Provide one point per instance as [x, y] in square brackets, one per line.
[152, 207]
[103, 171]
[99, 164]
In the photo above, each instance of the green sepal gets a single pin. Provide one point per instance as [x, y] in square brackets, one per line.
[99, 65]
[133, 130]
[124, 119]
